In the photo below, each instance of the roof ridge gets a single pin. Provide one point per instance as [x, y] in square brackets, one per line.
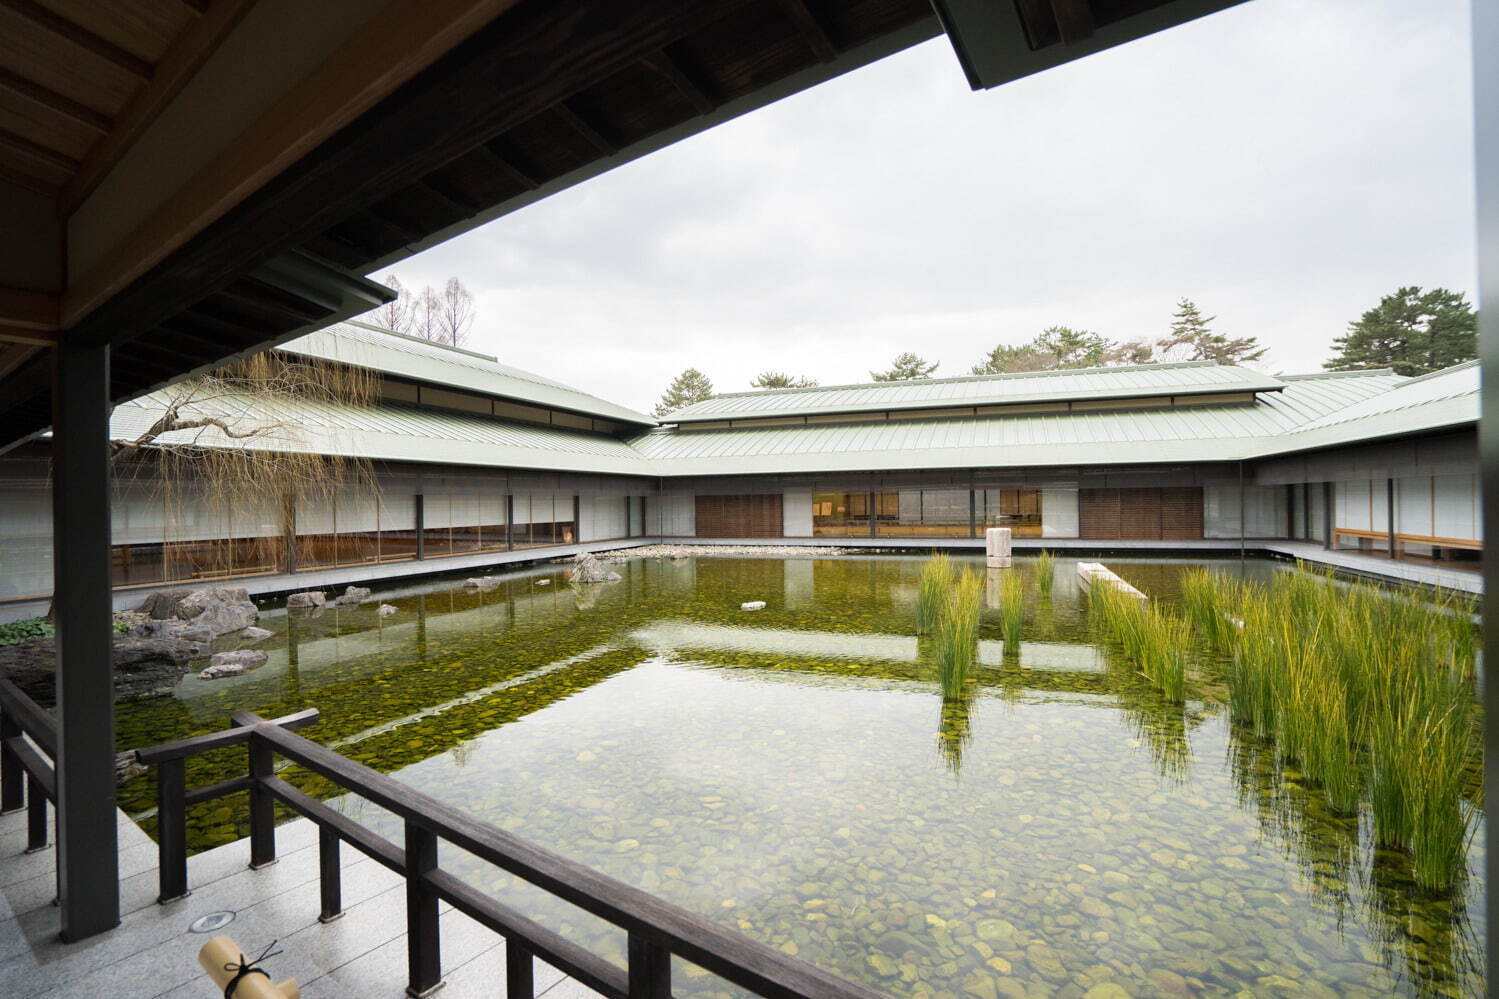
[418, 339]
[1048, 373]
[1353, 373]
[1463, 365]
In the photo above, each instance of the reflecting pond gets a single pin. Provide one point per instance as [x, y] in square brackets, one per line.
[795, 773]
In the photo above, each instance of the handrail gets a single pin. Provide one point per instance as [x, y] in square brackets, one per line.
[656, 929]
[24, 727]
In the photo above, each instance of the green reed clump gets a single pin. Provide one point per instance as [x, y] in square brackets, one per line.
[1368, 691]
[1158, 643]
[931, 590]
[1210, 601]
[1046, 572]
[1011, 609]
[956, 633]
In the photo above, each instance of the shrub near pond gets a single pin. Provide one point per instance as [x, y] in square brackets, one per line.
[1157, 642]
[1046, 572]
[1011, 609]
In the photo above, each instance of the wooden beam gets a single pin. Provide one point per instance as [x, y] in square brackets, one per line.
[182, 61]
[405, 38]
[501, 163]
[80, 36]
[51, 100]
[13, 355]
[662, 63]
[32, 310]
[811, 28]
[583, 127]
[1074, 19]
[30, 181]
[36, 151]
[445, 193]
[20, 334]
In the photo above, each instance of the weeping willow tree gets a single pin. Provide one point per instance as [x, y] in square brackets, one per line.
[234, 448]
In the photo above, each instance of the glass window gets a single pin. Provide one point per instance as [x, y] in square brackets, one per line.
[543, 519]
[355, 529]
[840, 515]
[1017, 509]
[923, 513]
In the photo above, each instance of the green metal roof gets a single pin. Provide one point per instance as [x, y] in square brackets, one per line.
[366, 346]
[1309, 411]
[1131, 382]
[397, 433]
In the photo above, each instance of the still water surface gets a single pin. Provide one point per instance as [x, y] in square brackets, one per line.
[795, 773]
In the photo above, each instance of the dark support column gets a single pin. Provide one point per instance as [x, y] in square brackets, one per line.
[1390, 514]
[509, 522]
[88, 861]
[330, 875]
[423, 937]
[1327, 513]
[874, 520]
[520, 971]
[1486, 142]
[421, 527]
[262, 805]
[650, 969]
[171, 830]
[973, 513]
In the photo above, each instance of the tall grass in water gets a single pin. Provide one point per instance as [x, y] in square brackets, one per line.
[1011, 609]
[1159, 643]
[931, 590]
[956, 633]
[1046, 572]
[1368, 692]
[1210, 601]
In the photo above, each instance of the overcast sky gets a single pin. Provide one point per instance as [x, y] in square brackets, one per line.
[1282, 163]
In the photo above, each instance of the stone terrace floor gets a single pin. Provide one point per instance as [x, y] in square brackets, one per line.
[152, 953]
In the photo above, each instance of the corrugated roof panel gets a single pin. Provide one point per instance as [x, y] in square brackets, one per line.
[366, 346]
[1084, 383]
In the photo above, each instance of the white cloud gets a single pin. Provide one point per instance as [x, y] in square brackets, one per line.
[1283, 164]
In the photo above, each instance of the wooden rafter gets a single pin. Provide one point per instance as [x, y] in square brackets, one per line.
[585, 128]
[502, 163]
[20, 334]
[80, 36]
[186, 56]
[665, 65]
[36, 151]
[811, 28]
[51, 100]
[445, 193]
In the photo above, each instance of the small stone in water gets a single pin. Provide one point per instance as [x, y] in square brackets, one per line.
[752, 605]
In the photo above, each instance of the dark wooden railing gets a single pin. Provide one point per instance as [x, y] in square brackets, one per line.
[656, 930]
[24, 728]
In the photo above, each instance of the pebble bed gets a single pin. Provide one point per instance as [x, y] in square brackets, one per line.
[1060, 831]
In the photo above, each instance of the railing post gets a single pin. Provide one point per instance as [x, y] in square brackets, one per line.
[36, 816]
[262, 805]
[423, 939]
[650, 969]
[329, 875]
[520, 977]
[12, 793]
[171, 830]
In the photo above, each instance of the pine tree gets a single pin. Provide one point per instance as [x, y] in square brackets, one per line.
[1412, 332]
[1192, 339]
[691, 386]
[906, 367]
[1062, 347]
[781, 380]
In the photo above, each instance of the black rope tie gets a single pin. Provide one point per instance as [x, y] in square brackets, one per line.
[245, 969]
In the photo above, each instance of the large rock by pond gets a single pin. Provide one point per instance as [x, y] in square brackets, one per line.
[199, 615]
[143, 667]
[307, 598]
[353, 595]
[233, 663]
[587, 569]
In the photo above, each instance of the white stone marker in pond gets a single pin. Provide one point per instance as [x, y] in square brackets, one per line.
[1096, 572]
[997, 548]
[752, 605]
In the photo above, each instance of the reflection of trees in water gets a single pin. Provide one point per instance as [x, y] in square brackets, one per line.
[1423, 937]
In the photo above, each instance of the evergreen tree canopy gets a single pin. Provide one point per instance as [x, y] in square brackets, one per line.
[779, 380]
[1062, 347]
[1192, 339]
[689, 387]
[906, 367]
[1411, 331]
